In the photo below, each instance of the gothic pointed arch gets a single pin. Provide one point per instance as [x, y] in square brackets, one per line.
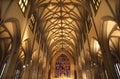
[62, 65]
[109, 43]
[10, 39]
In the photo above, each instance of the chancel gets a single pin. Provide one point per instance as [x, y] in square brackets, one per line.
[59, 39]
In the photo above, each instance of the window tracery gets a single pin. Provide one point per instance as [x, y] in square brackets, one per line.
[62, 67]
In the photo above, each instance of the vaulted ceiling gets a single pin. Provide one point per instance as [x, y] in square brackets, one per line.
[62, 23]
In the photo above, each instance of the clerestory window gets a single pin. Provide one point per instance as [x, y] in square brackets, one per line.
[96, 5]
[23, 4]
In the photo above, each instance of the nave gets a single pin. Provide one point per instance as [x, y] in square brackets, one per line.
[59, 39]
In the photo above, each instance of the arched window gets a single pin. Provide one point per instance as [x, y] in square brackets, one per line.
[96, 5]
[62, 66]
[17, 74]
[111, 33]
[23, 4]
[3, 68]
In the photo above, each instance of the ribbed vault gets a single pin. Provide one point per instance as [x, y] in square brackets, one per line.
[61, 23]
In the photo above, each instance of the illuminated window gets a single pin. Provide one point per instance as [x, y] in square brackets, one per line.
[96, 5]
[3, 68]
[32, 23]
[23, 4]
[62, 67]
[117, 68]
[17, 74]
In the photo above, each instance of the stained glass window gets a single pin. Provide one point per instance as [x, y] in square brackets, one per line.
[62, 66]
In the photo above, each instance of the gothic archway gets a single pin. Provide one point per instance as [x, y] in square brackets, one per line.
[108, 37]
[10, 39]
[62, 67]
